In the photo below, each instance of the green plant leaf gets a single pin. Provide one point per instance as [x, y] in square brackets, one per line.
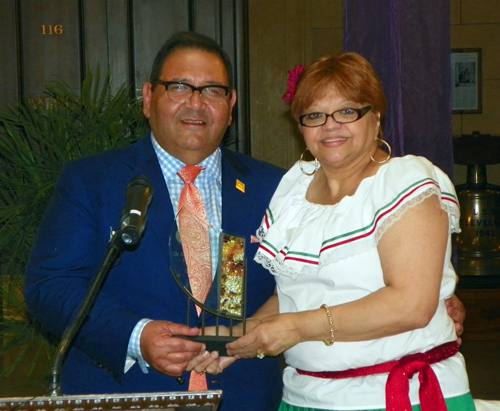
[37, 137]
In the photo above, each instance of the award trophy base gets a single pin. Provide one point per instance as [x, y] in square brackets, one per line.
[212, 342]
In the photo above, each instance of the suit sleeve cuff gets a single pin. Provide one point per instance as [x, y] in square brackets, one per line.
[134, 347]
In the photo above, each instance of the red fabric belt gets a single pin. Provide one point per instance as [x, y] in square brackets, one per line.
[400, 372]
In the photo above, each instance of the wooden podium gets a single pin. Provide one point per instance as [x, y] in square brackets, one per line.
[161, 401]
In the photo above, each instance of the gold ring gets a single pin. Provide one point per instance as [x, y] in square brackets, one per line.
[201, 373]
[260, 355]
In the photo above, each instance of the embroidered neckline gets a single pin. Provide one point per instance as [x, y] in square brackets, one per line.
[292, 259]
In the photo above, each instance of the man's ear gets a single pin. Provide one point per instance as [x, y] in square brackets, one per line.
[147, 93]
[232, 103]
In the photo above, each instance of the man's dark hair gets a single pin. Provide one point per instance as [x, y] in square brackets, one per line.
[189, 40]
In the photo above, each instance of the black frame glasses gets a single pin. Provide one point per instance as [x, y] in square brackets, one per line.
[321, 118]
[205, 95]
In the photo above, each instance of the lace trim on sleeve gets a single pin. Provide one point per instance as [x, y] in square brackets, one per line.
[276, 266]
[361, 246]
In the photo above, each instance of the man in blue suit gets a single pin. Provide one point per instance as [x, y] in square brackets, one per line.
[127, 344]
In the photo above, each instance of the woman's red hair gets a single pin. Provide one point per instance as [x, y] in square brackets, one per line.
[350, 74]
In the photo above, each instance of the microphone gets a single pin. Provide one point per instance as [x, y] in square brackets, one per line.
[139, 193]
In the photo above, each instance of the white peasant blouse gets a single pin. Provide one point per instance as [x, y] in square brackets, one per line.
[328, 255]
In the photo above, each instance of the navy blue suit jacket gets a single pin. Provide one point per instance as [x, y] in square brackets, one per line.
[71, 245]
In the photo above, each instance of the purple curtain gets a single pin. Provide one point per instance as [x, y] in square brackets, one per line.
[408, 43]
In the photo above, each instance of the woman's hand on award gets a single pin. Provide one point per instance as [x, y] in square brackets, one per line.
[211, 362]
[274, 335]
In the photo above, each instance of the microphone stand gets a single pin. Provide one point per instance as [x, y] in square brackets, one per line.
[115, 248]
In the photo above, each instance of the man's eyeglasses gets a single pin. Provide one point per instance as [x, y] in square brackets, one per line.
[180, 92]
[343, 116]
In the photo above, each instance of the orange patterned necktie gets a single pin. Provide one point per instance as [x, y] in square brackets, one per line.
[193, 229]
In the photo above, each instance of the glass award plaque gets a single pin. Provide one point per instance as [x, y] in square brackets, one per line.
[225, 305]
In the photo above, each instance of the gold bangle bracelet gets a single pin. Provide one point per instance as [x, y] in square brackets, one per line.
[330, 340]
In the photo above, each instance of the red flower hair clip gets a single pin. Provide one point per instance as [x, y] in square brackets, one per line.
[293, 79]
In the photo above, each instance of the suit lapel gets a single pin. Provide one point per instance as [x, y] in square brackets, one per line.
[160, 213]
[234, 177]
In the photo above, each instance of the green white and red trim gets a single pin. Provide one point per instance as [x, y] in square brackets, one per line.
[297, 236]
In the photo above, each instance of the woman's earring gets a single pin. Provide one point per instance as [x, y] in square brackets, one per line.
[385, 160]
[316, 165]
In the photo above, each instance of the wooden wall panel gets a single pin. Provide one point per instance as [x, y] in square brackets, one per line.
[119, 36]
[207, 19]
[94, 20]
[46, 40]
[234, 29]
[9, 86]
[106, 22]
[153, 21]
[279, 39]
[283, 34]
[50, 44]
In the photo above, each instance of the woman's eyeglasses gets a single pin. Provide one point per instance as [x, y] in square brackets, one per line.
[342, 116]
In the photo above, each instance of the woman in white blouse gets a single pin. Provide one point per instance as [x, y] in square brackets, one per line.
[360, 245]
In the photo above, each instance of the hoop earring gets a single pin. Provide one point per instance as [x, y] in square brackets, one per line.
[316, 165]
[388, 155]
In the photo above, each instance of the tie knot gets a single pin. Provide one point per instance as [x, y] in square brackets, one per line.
[189, 173]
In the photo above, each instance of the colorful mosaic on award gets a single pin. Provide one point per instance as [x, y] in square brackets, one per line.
[232, 275]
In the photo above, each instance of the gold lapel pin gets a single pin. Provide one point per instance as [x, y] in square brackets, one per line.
[240, 186]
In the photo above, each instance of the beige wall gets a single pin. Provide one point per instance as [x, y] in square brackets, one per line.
[284, 33]
[476, 24]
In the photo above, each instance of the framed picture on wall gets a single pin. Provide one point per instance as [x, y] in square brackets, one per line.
[466, 90]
